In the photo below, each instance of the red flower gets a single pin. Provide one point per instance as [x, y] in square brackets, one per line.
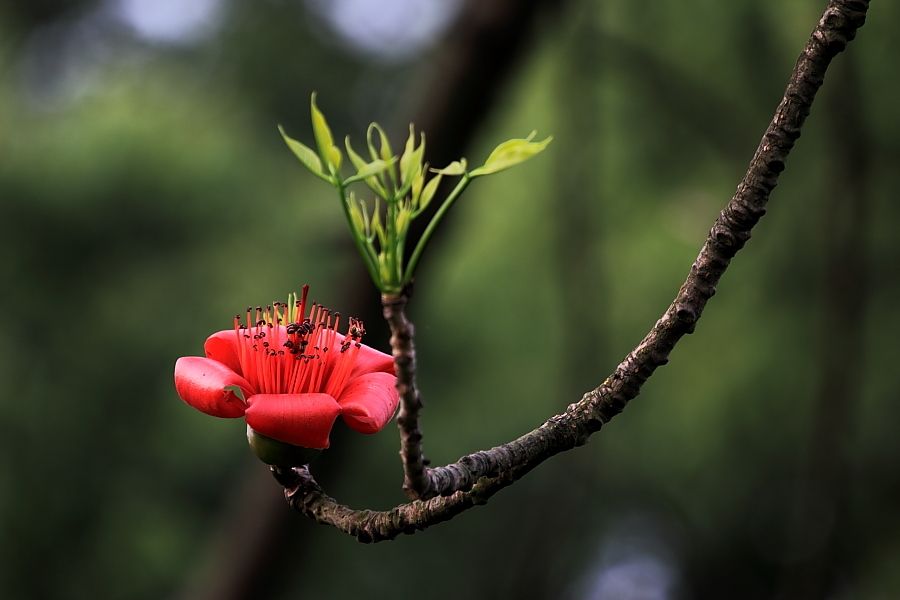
[295, 374]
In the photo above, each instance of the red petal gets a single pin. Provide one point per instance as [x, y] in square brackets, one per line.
[369, 401]
[298, 419]
[222, 346]
[370, 360]
[201, 382]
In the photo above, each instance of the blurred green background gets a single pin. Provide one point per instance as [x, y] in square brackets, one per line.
[147, 196]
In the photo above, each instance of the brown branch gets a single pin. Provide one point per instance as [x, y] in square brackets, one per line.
[416, 482]
[307, 497]
[728, 235]
[476, 477]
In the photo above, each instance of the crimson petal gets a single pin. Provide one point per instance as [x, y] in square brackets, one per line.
[222, 346]
[370, 360]
[202, 383]
[369, 401]
[298, 419]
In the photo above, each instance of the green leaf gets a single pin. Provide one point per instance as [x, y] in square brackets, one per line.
[377, 228]
[369, 142]
[335, 158]
[417, 183]
[329, 153]
[404, 216]
[384, 152]
[411, 161]
[306, 155]
[361, 165]
[370, 169]
[408, 152]
[429, 191]
[457, 167]
[511, 153]
[356, 216]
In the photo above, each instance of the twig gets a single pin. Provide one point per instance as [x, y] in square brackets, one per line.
[307, 497]
[416, 482]
[475, 477]
[729, 233]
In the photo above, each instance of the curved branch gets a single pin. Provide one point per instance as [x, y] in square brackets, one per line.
[307, 497]
[475, 477]
[729, 233]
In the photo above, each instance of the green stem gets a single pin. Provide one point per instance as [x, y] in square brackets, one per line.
[390, 230]
[365, 250]
[423, 241]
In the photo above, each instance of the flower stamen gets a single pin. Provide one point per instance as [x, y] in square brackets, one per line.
[282, 349]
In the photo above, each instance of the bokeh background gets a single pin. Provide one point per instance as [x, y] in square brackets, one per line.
[146, 197]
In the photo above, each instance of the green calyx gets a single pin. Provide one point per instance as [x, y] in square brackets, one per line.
[279, 454]
[403, 187]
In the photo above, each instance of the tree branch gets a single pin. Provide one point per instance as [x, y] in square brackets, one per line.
[729, 233]
[416, 482]
[475, 477]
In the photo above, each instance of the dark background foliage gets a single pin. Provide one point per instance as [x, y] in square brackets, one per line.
[147, 196]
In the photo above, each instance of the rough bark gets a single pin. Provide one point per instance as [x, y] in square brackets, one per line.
[416, 482]
[475, 477]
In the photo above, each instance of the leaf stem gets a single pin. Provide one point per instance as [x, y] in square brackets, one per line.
[435, 220]
[365, 249]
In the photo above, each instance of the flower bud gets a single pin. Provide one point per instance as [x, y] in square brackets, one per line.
[281, 454]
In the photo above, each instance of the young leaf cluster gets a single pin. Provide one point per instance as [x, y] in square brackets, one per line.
[400, 189]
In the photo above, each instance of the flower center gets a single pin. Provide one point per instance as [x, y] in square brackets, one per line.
[284, 350]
